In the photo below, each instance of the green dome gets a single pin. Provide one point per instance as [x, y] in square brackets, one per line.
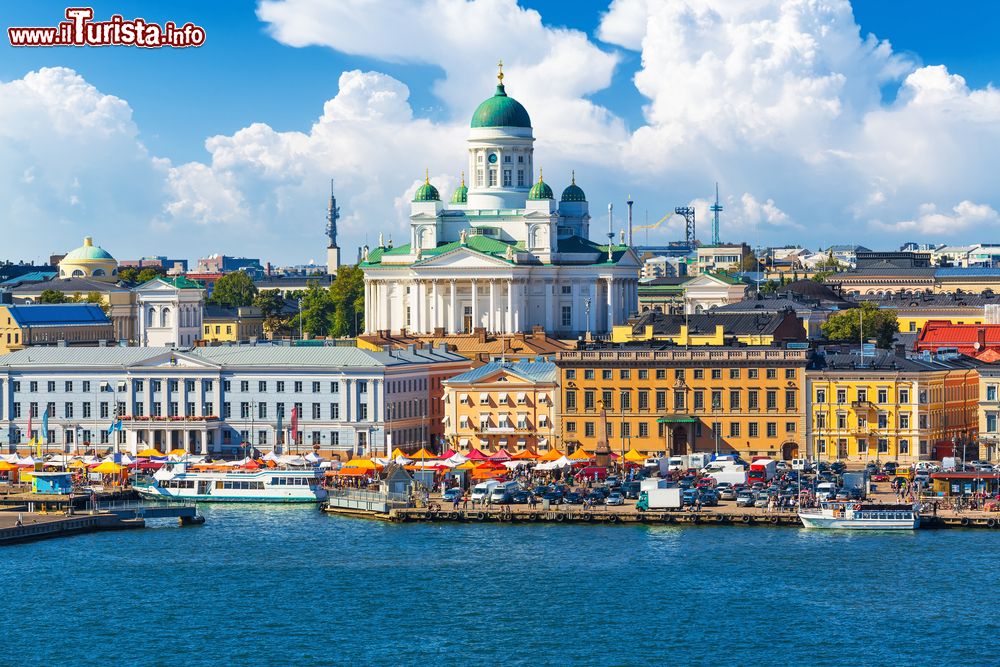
[461, 195]
[88, 251]
[426, 192]
[573, 192]
[501, 111]
[540, 190]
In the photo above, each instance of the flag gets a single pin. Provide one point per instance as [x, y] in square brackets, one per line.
[116, 425]
[45, 426]
[31, 435]
[295, 422]
[280, 432]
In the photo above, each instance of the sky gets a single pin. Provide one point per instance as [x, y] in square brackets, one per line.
[822, 121]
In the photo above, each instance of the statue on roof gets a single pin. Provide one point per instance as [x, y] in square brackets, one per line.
[509, 254]
[461, 237]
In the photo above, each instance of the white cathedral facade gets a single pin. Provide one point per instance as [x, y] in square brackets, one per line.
[504, 254]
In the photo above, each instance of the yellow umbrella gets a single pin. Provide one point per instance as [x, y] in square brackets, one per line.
[150, 452]
[108, 467]
[177, 452]
[634, 456]
[396, 453]
[468, 465]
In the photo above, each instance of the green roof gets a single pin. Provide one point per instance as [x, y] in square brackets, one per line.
[573, 192]
[498, 249]
[180, 282]
[500, 111]
[88, 251]
[461, 195]
[726, 278]
[426, 192]
[540, 190]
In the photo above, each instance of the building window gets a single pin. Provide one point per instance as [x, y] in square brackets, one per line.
[841, 396]
[734, 429]
[862, 395]
[716, 399]
[883, 421]
[570, 400]
[753, 373]
[753, 400]
[571, 374]
[624, 374]
[643, 400]
[520, 177]
[883, 396]
[789, 427]
[991, 392]
[298, 387]
[883, 446]
[734, 399]
[315, 411]
[789, 373]
[772, 429]
[661, 374]
[820, 420]
[772, 373]
[588, 401]
[679, 374]
[821, 395]
[493, 177]
[772, 399]
[661, 400]
[567, 316]
[904, 396]
[625, 401]
[904, 446]
[699, 399]
[790, 397]
[262, 411]
[753, 429]
[679, 400]
[862, 446]
[605, 375]
[643, 374]
[506, 177]
[716, 373]
[699, 374]
[262, 386]
[588, 429]
[821, 446]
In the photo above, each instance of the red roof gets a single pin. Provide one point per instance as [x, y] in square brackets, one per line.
[942, 333]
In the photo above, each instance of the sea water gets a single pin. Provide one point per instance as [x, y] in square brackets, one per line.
[271, 585]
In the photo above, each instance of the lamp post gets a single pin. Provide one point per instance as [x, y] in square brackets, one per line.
[586, 308]
[300, 318]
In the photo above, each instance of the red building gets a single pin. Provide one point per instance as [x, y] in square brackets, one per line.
[980, 341]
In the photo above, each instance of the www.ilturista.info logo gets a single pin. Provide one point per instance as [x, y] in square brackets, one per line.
[81, 30]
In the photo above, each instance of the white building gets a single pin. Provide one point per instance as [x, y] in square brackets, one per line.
[503, 255]
[169, 312]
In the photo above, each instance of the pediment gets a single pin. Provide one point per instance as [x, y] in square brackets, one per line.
[173, 359]
[156, 286]
[462, 258]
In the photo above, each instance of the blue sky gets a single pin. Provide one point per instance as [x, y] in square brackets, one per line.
[247, 74]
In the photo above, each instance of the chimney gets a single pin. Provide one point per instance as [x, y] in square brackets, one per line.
[538, 331]
[900, 349]
[981, 338]
[480, 333]
[438, 332]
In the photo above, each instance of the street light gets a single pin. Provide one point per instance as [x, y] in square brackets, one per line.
[300, 318]
[586, 307]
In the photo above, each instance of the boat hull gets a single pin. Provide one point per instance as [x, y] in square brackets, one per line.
[858, 524]
[160, 495]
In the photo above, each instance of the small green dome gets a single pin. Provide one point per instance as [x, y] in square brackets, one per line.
[573, 192]
[426, 192]
[461, 195]
[541, 189]
[501, 111]
[88, 251]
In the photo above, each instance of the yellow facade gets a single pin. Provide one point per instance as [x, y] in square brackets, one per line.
[89, 261]
[502, 405]
[238, 325]
[11, 334]
[914, 322]
[677, 400]
[881, 414]
[625, 334]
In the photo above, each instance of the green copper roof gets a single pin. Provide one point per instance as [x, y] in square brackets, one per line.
[500, 111]
[426, 192]
[461, 195]
[573, 192]
[476, 242]
[88, 251]
[540, 190]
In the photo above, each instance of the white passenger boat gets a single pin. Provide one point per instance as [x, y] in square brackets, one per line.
[858, 516]
[274, 485]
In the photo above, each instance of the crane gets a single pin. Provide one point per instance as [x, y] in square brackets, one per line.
[657, 223]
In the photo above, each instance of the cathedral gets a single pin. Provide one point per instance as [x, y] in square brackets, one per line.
[504, 254]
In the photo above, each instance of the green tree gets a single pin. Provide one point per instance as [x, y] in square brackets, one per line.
[128, 274]
[234, 290]
[317, 311]
[348, 295]
[52, 296]
[148, 273]
[750, 262]
[272, 306]
[878, 324]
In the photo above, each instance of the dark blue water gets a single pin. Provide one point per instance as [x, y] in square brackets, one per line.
[277, 586]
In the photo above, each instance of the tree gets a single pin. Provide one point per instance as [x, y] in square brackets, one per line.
[149, 273]
[878, 324]
[272, 306]
[132, 274]
[128, 274]
[348, 295]
[234, 290]
[750, 262]
[52, 296]
[317, 311]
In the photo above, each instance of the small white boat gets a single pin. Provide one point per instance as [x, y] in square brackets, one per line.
[275, 485]
[858, 516]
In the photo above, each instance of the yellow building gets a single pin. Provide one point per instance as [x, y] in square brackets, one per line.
[89, 261]
[232, 324]
[989, 413]
[711, 329]
[913, 311]
[703, 399]
[502, 405]
[891, 407]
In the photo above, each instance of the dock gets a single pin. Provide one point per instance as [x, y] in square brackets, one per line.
[108, 516]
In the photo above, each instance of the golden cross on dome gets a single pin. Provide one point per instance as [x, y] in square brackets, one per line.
[427, 175]
[500, 73]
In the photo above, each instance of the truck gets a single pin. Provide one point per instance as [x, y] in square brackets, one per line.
[688, 461]
[762, 470]
[659, 499]
[856, 480]
[732, 474]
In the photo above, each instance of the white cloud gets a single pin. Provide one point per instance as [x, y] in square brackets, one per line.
[964, 216]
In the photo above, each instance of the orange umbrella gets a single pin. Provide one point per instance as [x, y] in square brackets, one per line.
[551, 455]
[526, 455]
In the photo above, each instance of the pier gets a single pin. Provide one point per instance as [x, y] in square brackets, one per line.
[108, 516]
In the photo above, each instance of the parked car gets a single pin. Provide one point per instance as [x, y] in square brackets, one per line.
[573, 498]
[595, 497]
[889, 467]
[631, 490]
[761, 500]
[745, 498]
[450, 494]
[520, 497]
[838, 467]
[729, 493]
[688, 497]
[615, 498]
[708, 498]
[554, 497]
[781, 465]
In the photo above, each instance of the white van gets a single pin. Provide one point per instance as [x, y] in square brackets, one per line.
[802, 465]
[825, 490]
[483, 489]
[502, 492]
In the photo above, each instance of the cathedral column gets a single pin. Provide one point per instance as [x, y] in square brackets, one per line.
[592, 315]
[369, 304]
[491, 320]
[519, 303]
[387, 306]
[611, 307]
[435, 317]
[475, 305]
[453, 317]
[508, 319]
[411, 293]
[548, 306]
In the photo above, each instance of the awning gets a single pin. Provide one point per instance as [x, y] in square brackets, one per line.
[464, 421]
[502, 442]
[678, 419]
[502, 397]
[462, 398]
[543, 397]
[463, 442]
[542, 420]
[444, 420]
[484, 397]
[521, 442]
[521, 397]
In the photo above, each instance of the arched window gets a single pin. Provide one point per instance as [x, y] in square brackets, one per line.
[165, 317]
[99, 273]
[151, 317]
[77, 273]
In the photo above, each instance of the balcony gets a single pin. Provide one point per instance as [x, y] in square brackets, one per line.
[862, 405]
[160, 419]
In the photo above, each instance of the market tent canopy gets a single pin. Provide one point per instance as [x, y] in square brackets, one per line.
[468, 465]
[361, 464]
[150, 452]
[448, 454]
[634, 456]
[422, 454]
[351, 472]
[580, 455]
[501, 456]
[396, 453]
[526, 455]
[4, 466]
[108, 468]
[551, 455]
[475, 455]
[177, 452]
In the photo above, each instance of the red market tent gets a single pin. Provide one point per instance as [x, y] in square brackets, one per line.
[501, 456]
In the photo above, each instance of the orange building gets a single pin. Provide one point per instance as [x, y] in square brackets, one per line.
[748, 400]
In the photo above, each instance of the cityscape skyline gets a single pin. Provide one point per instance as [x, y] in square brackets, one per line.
[798, 113]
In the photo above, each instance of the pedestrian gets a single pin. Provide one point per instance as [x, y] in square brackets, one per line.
[465, 498]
